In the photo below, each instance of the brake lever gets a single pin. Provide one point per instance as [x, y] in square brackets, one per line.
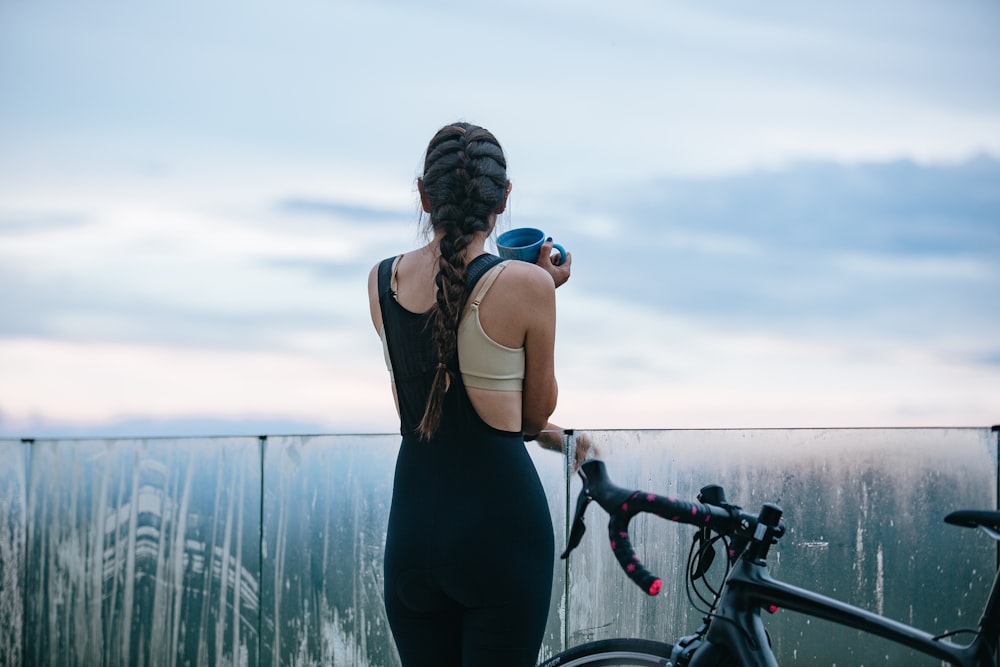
[706, 554]
[579, 527]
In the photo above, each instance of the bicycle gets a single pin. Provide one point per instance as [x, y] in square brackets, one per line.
[732, 632]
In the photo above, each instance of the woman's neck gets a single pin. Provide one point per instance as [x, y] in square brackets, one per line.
[476, 247]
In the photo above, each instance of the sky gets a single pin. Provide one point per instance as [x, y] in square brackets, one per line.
[781, 216]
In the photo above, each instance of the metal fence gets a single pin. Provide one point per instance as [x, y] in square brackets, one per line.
[268, 551]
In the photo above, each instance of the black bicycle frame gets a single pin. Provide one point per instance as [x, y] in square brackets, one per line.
[736, 633]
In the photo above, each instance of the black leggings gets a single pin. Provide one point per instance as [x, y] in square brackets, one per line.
[469, 554]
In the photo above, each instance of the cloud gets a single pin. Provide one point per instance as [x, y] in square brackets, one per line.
[93, 383]
[805, 248]
[22, 224]
[337, 209]
[634, 367]
[165, 272]
[931, 269]
[990, 358]
[598, 93]
[862, 250]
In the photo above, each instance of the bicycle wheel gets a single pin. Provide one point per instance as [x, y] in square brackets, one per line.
[613, 652]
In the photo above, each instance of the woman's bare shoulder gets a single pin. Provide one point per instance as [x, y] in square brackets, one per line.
[530, 277]
[523, 290]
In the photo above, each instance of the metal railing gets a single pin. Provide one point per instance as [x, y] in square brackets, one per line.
[268, 551]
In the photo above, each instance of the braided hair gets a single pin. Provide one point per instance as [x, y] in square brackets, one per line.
[465, 182]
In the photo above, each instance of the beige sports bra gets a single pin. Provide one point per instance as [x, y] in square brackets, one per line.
[484, 363]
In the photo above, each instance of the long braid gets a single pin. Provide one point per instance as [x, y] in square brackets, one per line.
[465, 178]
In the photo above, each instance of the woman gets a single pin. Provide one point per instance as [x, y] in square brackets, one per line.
[469, 343]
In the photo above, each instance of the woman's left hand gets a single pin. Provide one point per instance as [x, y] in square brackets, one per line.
[559, 272]
[551, 437]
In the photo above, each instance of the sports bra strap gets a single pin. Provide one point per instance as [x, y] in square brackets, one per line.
[488, 282]
[393, 283]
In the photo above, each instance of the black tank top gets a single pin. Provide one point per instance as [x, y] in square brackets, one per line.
[414, 358]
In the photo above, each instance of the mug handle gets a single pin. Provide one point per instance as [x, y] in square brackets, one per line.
[562, 253]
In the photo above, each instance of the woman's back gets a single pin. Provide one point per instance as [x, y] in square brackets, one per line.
[517, 304]
[467, 577]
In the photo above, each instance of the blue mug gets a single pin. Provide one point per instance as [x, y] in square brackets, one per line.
[525, 244]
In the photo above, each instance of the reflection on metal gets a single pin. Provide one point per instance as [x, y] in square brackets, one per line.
[247, 551]
[143, 552]
[326, 505]
[13, 523]
[864, 510]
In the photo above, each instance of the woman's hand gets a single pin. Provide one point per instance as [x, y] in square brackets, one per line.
[585, 449]
[559, 272]
[551, 438]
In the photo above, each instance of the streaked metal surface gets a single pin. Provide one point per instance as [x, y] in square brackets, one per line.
[13, 527]
[864, 509]
[326, 507]
[250, 551]
[326, 504]
[552, 470]
[143, 552]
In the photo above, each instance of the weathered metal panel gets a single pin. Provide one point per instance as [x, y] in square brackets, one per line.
[13, 527]
[143, 552]
[326, 504]
[247, 551]
[864, 510]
